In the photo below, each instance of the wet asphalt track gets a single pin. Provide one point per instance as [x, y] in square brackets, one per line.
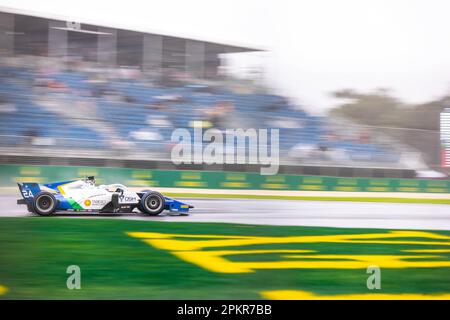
[285, 212]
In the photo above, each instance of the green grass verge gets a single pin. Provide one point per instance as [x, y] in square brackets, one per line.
[309, 198]
[35, 252]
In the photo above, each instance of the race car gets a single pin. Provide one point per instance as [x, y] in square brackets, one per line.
[85, 195]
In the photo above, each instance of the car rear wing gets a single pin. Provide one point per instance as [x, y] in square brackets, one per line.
[28, 190]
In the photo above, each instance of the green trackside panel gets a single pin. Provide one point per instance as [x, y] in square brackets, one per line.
[191, 179]
[421, 185]
[436, 186]
[377, 185]
[407, 185]
[10, 174]
[279, 182]
[315, 183]
[237, 180]
[141, 178]
[347, 185]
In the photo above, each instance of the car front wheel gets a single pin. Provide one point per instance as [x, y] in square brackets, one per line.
[152, 203]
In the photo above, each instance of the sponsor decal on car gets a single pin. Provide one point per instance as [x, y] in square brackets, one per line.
[123, 198]
[99, 202]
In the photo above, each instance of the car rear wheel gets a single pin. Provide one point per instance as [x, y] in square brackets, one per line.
[44, 203]
[152, 203]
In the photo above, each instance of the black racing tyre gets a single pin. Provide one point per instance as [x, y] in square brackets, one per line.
[44, 203]
[152, 203]
[139, 205]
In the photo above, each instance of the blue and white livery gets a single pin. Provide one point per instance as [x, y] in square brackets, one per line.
[85, 195]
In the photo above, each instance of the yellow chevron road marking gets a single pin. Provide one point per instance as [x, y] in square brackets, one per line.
[304, 295]
[191, 248]
[3, 290]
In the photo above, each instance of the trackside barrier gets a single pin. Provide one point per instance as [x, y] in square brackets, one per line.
[10, 174]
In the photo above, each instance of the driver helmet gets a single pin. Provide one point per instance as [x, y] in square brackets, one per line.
[91, 180]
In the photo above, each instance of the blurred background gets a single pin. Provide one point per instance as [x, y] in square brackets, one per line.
[73, 92]
[360, 93]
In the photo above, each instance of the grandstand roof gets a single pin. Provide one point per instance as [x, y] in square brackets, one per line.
[230, 45]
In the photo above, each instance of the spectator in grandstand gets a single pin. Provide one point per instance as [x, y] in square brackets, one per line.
[129, 99]
[113, 96]
[277, 105]
[168, 79]
[219, 115]
[364, 137]
[54, 84]
[6, 105]
[159, 121]
[30, 134]
[159, 105]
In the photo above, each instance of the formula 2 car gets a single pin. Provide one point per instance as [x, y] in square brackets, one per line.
[84, 195]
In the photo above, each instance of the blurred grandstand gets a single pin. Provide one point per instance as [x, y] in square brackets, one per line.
[83, 91]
